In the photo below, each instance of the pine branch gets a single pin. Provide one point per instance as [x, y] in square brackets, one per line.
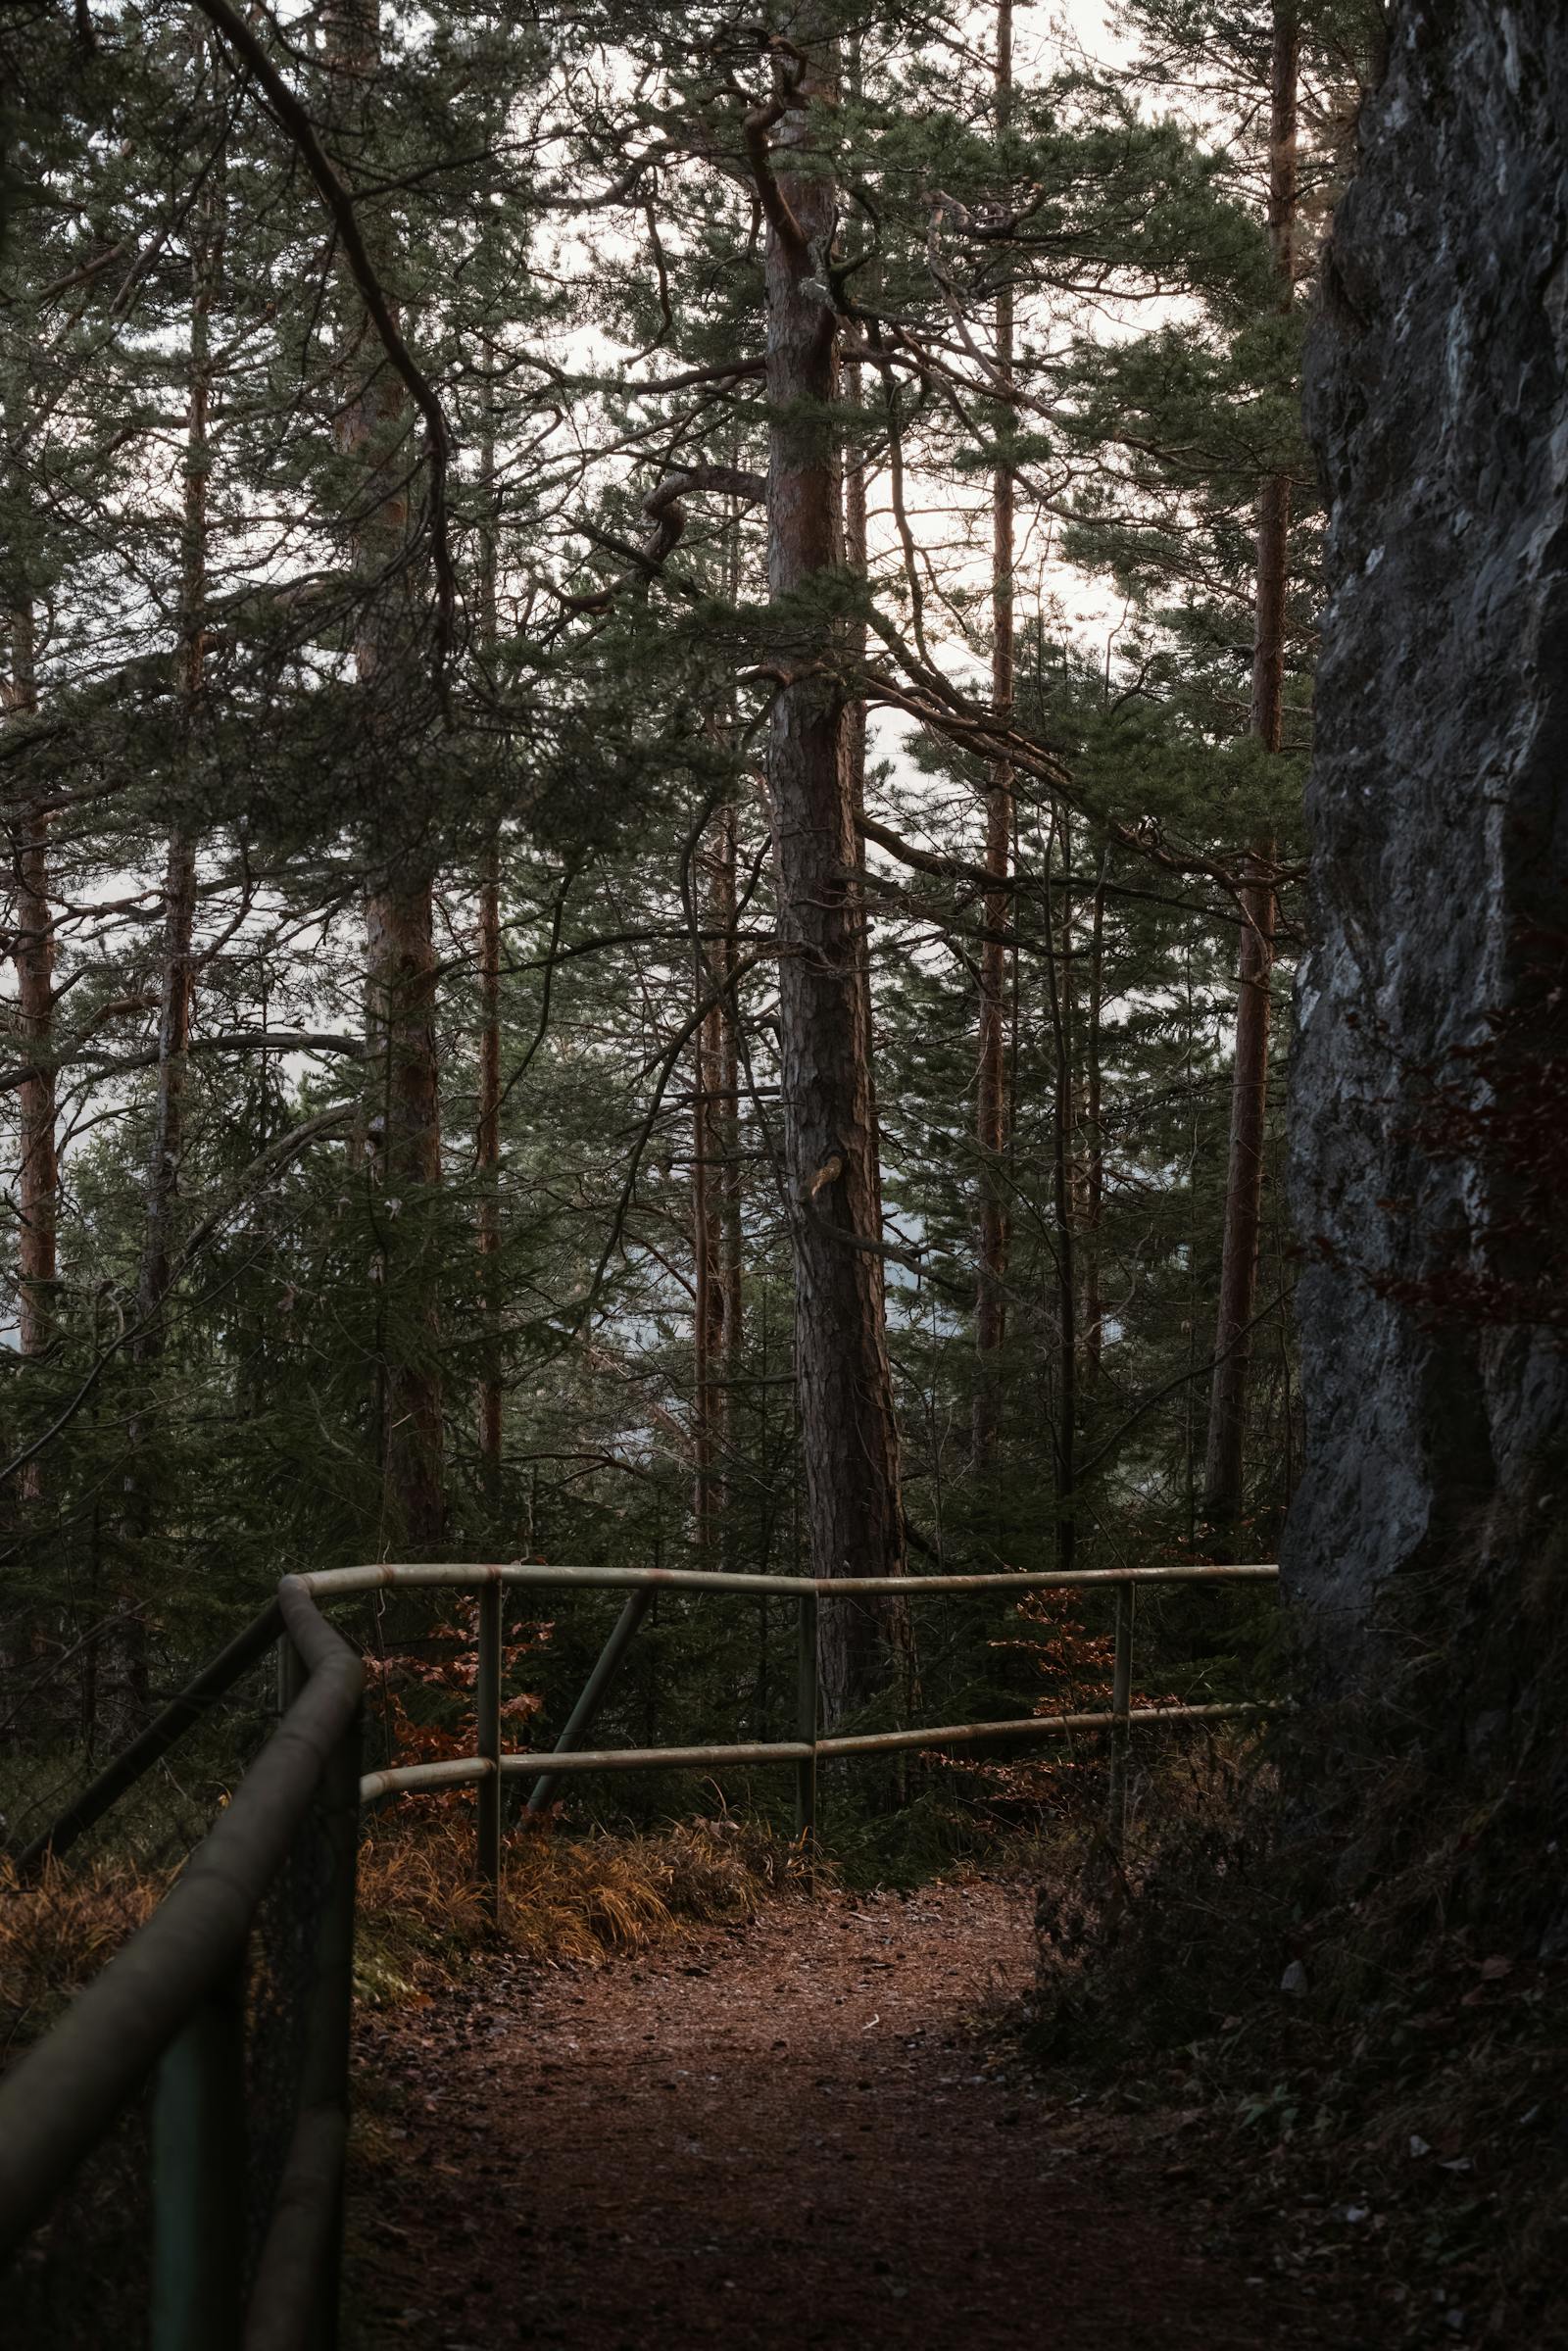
[340, 205]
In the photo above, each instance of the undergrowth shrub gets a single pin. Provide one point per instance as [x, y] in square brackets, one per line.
[1376, 2026]
[1149, 1946]
[58, 1930]
[423, 1915]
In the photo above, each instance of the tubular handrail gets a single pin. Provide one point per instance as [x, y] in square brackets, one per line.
[337, 1583]
[174, 1997]
[333, 1582]
[487, 1770]
[461, 1771]
[59, 2099]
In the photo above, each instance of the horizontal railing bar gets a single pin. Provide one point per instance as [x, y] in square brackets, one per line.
[1034, 1725]
[456, 1772]
[335, 1582]
[165, 1731]
[58, 2100]
[847, 1586]
[176, 1719]
[673, 1759]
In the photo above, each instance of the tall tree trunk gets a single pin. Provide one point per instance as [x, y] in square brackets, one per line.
[715, 1186]
[37, 1190]
[38, 1175]
[487, 1139]
[400, 900]
[180, 867]
[401, 963]
[177, 978]
[168, 1109]
[715, 1148]
[707, 1239]
[858, 560]
[1059, 986]
[992, 1108]
[725, 1130]
[1095, 1174]
[849, 1431]
[732, 1194]
[1244, 1192]
[488, 1154]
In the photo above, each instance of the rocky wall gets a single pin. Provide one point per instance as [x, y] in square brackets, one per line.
[1424, 1556]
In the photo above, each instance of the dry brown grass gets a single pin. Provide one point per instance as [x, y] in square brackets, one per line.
[423, 1915]
[57, 1931]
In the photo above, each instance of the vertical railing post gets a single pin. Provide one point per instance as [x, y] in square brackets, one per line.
[1121, 1703]
[806, 1708]
[198, 2178]
[329, 2018]
[487, 1704]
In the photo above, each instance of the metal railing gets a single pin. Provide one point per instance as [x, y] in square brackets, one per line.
[490, 1765]
[172, 2004]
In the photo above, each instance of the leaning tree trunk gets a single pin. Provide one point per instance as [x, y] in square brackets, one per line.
[1243, 1190]
[848, 1432]
[992, 1108]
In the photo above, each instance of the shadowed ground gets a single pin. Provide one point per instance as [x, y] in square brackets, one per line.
[795, 2132]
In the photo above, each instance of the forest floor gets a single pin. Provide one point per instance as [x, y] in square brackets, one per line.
[814, 2128]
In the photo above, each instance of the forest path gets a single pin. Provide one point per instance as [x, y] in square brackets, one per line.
[797, 2132]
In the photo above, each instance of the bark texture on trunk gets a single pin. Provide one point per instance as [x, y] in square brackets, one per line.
[487, 1135]
[858, 560]
[992, 1109]
[715, 1193]
[844, 1379]
[178, 976]
[1424, 1556]
[176, 968]
[400, 954]
[1064, 1205]
[488, 1154]
[707, 1300]
[168, 1107]
[1095, 1141]
[372, 428]
[1225, 1474]
[38, 1175]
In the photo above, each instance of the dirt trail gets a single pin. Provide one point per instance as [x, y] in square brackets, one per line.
[794, 2133]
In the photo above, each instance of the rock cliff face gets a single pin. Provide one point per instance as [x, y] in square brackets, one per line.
[1427, 1167]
